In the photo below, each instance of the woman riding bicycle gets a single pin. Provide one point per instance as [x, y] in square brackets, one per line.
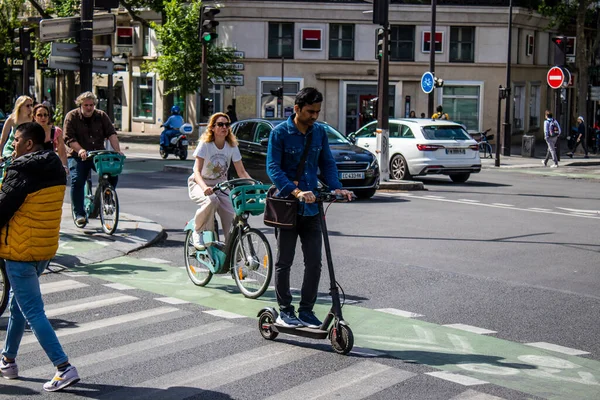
[217, 148]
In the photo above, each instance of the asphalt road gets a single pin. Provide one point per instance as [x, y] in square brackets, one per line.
[485, 290]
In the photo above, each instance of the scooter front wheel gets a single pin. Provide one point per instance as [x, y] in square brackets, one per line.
[342, 338]
[163, 153]
[265, 320]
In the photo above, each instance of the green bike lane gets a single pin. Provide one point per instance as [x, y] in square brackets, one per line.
[513, 365]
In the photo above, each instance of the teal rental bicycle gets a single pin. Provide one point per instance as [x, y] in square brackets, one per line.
[246, 255]
[104, 202]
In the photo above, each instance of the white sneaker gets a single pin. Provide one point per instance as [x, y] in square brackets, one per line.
[554, 166]
[62, 379]
[544, 163]
[198, 241]
[9, 370]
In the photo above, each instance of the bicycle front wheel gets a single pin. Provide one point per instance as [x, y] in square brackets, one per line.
[4, 287]
[109, 209]
[252, 264]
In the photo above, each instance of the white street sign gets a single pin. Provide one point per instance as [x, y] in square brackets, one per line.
[238, 54]
[72, 64]
[595, 93]
[63, 28]
[235, 66]
[233, 80]
[72, 50]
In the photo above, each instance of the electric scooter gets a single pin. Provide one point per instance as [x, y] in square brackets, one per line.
[340, 333]
[179, 144]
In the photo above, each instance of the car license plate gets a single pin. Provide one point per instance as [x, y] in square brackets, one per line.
[184, 142]
[352, 175]
[455, 151]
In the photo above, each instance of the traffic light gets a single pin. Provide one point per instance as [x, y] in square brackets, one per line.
[381, 11]
[208, 25]
[22, 41]
[438, 82]
[381, 40]
[560, 56]
[278, 92]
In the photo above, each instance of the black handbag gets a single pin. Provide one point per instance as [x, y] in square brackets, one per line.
[282, 212]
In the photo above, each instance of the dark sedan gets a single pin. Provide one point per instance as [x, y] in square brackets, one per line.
[357, 168]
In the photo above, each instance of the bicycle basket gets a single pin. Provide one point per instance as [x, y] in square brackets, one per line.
[111, 164]
[249, 198]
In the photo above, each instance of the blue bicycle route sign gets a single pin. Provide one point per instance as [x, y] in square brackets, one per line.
[427, 82]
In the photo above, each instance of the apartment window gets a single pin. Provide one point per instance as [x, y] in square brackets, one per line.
[402, 44]
[519, 108]
[341, 42]
[462, 103]
[143, 97]
[281, 40]
[462, 44]
[534, 106]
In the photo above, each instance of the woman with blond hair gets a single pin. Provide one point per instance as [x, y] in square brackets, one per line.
[217, 148]
[21, 113]
[54, 135]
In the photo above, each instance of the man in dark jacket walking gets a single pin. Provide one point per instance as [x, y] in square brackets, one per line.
[31, 199]
[580, 138]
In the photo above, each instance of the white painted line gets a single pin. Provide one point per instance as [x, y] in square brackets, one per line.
[469, 201]
[456, 378]
[356, 382]
[224, 314]
[105, 323]
[88, 303]
[471, 394]
[502, 205]
[401, 313]
[538, 209]
[365, 352]
[61, 286]
[580, 211]
[557, 348]
[195, 380]
[102, 243]
[156, 260]
[118, 286]
[469, 328]
[171, 300]
[430, 196]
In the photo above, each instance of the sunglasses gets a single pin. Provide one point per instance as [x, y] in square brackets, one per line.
[29, 105]
[223, 124]
[42, 115]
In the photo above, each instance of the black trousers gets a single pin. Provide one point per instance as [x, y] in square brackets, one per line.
[583, 144]
[309, 231]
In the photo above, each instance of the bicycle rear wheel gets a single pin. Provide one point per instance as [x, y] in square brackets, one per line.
[252, 263]
[199, 273]
[109, 209]
[4, 287]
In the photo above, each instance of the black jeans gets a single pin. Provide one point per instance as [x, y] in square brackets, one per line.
[309, 231]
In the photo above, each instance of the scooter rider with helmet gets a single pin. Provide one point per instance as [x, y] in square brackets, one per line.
[171, 125]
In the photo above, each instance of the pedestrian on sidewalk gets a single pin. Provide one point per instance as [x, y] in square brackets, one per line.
[580, 138]
[86, 129]
[31, 199]
[23, 112]
[440, 114]
[551, 135]
[217, 149]
[54, 135]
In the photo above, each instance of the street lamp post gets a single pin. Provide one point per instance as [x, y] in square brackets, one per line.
[506, 143]
[431, 98]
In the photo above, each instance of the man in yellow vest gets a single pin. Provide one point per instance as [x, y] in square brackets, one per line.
[440, 114]
[31, 200]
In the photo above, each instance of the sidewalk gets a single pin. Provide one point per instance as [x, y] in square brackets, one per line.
[91, 245]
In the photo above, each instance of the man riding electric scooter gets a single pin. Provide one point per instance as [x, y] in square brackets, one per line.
[171, 125]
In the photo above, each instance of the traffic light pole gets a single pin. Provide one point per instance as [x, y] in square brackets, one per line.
[86, 40]
[431, 98]
[204, 87]
[506, 143]
[383, 110]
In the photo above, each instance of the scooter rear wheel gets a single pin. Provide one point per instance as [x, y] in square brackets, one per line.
[342, 338]
[163, 153]
[265, 320]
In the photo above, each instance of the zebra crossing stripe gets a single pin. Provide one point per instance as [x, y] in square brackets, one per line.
[89, 303]
[457, 378]
[193, 380]
[138, 352]
[61, 286]
[557, 348]
[401, 313]
[356, 382]
[475, 395]
[105, 323]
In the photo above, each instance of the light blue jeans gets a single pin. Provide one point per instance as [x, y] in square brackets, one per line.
[26, 304]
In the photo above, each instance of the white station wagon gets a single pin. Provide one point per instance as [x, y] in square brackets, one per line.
[421, 147]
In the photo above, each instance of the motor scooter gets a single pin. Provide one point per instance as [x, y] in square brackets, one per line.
[178, 145]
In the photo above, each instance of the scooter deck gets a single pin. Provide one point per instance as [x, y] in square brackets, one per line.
[313, 333]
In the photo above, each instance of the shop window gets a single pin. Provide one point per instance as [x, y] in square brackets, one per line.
[534, 106]
[341, 42]
[270, 107]
[143, 97]
[462, 44]
[462, 102]
[518, 108]
[281, 40]
[402, 43]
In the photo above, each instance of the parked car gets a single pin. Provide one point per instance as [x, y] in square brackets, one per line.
[358, 169]
[421, 147]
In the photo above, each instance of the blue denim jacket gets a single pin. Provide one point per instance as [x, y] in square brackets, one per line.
[286, 145]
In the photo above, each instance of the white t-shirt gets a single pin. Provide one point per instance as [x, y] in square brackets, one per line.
[216, 161]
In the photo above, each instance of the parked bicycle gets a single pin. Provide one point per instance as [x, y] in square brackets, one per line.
[484, 142]
[104, 201]
[246, 255]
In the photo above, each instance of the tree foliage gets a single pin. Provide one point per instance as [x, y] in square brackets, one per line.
[180, 51]
[9, 13]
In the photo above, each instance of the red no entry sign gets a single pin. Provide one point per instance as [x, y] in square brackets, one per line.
[555, 77]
